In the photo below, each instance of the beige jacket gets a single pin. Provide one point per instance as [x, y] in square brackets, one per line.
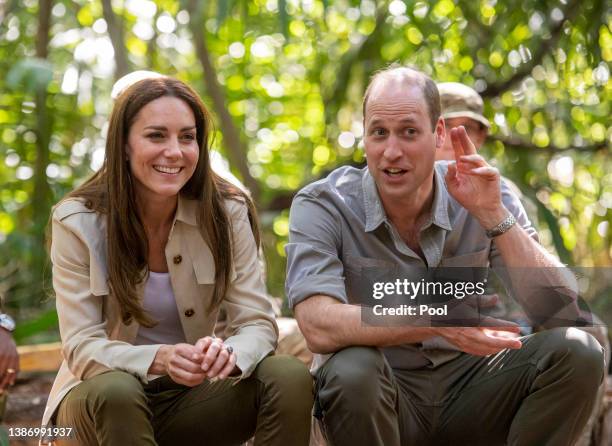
[95, 340]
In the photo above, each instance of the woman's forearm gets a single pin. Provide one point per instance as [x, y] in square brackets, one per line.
[158, 366]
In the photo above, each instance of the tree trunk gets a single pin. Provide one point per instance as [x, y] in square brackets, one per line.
[236, 149]
[42, 192]
[115, 32]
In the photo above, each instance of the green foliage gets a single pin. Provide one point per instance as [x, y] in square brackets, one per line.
[31, 75]
[293, 75]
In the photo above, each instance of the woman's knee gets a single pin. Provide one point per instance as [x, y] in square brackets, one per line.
[286, 380]
[112, 398]
[109, 391]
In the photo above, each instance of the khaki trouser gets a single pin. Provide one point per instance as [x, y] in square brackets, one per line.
[114, 409]
[539, 395]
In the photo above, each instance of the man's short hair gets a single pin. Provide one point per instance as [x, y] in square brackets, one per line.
[416, 77]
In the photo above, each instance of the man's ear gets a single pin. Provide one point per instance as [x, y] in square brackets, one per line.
[440, 133]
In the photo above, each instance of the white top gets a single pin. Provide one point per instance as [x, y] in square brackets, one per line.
[160, 303]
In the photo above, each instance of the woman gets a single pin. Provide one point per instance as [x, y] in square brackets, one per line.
[144, 253]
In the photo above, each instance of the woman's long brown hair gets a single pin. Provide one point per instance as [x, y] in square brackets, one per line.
[110, 191]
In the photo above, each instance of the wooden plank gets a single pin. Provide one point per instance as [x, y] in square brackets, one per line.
[40, 357]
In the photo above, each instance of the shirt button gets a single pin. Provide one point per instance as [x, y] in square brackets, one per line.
[177, 259]
[189, 312]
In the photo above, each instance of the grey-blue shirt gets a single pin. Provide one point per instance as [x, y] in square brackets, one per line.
[338, 227]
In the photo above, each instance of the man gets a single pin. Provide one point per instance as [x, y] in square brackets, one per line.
[388, 386]
[463, 106]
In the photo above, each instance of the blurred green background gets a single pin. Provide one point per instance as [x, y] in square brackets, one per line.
[284, 79]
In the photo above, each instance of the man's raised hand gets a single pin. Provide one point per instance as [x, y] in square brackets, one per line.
[473, 182]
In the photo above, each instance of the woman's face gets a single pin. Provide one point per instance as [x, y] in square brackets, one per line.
[162, 148]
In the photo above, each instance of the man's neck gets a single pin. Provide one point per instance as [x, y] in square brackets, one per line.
[410, 212]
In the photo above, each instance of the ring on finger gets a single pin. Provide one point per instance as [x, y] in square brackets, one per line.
[229, 349]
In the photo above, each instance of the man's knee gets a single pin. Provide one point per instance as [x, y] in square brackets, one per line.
[580, 351]
[356, 375]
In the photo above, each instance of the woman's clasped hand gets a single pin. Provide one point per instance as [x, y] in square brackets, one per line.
[190, 364]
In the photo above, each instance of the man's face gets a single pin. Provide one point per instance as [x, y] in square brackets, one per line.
[474, 129]
[400, 144]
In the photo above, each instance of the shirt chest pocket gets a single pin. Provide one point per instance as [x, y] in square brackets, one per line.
[361, 275]
[470, 260]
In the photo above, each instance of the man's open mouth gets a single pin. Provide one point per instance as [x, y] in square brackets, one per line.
[394, 172]
[168, 170]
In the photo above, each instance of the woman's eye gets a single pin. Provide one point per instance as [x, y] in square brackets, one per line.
[155, 135]
[189, 136]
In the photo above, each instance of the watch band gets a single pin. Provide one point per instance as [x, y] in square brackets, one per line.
[504, 226]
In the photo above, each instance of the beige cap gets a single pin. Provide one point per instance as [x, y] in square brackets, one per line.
[459, 100]
[131, 78]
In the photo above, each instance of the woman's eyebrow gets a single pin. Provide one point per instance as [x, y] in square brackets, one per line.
[162, 127]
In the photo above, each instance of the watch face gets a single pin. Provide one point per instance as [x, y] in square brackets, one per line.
[7, 322]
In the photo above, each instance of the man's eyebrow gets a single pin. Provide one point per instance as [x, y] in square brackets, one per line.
[407, 120]
[163, 127]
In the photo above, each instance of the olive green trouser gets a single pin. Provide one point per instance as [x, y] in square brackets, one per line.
[539, 395]
[115, 409]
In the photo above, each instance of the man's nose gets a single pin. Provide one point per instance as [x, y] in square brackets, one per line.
[392, 149]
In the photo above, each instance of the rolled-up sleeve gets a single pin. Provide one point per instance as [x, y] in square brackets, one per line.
[512, 202]
[313, 265]
[85, 345]
[252, 329]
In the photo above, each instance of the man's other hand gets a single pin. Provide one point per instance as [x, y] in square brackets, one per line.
[9, 360]
[481, 341]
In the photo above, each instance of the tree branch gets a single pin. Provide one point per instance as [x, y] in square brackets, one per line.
[283, 200]
[543, 48]
[116, 34]
[236, 149]
[520, 144]
[337, 93]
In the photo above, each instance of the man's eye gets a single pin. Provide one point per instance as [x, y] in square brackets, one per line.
[379, 132]
[411, 131]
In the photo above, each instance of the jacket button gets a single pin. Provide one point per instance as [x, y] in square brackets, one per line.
[189, 312]
[177, 259]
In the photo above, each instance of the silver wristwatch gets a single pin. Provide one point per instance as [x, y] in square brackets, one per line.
[7, 322]
[504, 226]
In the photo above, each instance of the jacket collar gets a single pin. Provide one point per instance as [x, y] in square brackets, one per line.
[187, 211]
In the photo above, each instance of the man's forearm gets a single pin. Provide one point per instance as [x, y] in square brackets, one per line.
[517, 248]
[329, 325]
[544, 286]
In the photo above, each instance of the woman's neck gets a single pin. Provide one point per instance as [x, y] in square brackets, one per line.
[156, 213]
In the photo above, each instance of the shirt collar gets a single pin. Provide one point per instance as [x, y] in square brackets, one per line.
[439, 207]
[375, 212]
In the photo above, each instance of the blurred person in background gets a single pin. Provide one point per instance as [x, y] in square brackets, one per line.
[463, 106]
